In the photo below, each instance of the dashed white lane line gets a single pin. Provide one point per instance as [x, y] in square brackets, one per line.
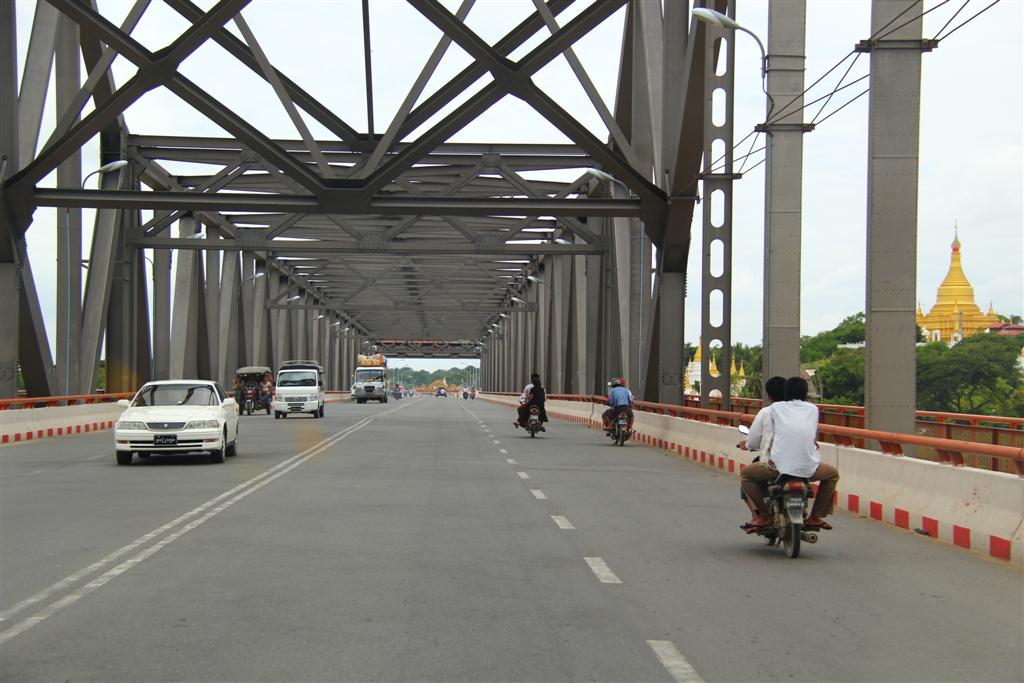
[503, 451]
[496, 441]
[602, 571]
[674, 662]
[523, 475]
[225, 500]
[35, 472]
[562, 522]
[98, 457]
[538, 494]
[512, 461]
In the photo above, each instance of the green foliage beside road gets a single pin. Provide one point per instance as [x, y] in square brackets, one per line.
[979, 375]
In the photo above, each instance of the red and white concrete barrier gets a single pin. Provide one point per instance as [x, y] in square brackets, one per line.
[970, 508]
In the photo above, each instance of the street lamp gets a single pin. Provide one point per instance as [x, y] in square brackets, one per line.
[105, 168]
[710, 16]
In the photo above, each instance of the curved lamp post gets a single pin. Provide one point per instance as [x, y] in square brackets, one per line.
[710, 16]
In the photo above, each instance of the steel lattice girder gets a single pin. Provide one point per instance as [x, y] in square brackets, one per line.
[416, 230]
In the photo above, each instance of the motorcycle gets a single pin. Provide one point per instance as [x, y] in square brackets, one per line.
[787, 499]
[251, 399]
[533, 423]
[620, 432]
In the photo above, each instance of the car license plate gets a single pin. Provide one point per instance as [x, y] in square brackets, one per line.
[794, 503]
[165, 440]
[295, 408]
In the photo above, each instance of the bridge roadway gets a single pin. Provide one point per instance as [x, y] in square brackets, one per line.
[418, 540]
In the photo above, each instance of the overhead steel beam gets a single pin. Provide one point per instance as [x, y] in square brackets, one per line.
[412, 247]
[391, 206]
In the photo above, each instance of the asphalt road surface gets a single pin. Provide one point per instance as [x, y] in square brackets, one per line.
[429, 540]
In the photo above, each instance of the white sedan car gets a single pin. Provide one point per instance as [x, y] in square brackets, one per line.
[177, 416]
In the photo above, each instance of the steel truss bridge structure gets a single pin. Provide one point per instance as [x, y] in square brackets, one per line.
[404, 240]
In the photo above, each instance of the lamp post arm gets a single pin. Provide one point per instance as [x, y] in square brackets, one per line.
[764, 54]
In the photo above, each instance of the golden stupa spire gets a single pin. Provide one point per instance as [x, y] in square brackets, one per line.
[743, 373]
[696, 356]
[955, 287]
[714, 367]
[732, 366]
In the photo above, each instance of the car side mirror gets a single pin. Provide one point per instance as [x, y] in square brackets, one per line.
[124, 403]
[229, 401]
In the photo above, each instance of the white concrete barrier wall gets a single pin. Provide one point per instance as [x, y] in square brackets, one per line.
[40, 423]
[975, 509]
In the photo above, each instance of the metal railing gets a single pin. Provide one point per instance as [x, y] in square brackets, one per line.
[24, 403]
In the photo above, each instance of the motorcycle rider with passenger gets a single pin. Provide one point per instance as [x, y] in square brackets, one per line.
[620, 399]
[793, 425]
[533, 395]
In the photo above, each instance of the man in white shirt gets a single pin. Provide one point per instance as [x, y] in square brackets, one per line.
[794, 451]
[775, 391]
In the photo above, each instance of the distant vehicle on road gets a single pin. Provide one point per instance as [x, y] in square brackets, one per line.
[371, 380]
[300, 389]
[441, 391]
[177, 416]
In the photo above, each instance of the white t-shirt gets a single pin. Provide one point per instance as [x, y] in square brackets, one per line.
[794, 428]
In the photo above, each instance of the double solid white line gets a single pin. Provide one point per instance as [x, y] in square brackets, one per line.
[198, 516]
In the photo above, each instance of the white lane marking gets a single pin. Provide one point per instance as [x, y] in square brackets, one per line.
[245, 488]
[503, 451]
[602, 571]
[523, 475]
[496, 442]
[100, 456]
[35, 472]
[511, 461]
[562, 522]
[674, 662]
[538, 494]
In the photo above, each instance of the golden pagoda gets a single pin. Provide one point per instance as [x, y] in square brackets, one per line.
[954, 315]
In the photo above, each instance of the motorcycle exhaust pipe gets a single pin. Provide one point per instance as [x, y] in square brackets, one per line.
[809, 536]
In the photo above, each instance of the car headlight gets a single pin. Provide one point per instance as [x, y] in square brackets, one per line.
[202, 424]
[128, 424]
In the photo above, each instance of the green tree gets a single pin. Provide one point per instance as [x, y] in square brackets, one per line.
[822, 345]
[979, 375]
[840, 378]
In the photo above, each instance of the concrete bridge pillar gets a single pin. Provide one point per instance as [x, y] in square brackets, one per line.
[894, 118]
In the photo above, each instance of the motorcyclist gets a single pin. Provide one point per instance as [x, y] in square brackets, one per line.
[620, 399]
[533, 395]
[775, 391]
[266, 390]
[793, 423]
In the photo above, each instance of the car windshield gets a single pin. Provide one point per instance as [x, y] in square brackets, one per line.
[176, 395]
[369, 375]
[297, 378]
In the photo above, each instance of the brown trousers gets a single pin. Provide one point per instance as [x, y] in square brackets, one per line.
[754, 483]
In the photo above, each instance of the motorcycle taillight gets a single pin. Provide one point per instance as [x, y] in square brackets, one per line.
[534, 410]
[794, 486]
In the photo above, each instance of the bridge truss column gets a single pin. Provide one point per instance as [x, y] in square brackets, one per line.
[10, 283]
[187, 339]
[716, 281]
[783, 196]
[162, 311]
[894, 119]
[67, 59]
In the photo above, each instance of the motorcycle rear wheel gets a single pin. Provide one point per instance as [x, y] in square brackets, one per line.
[791, 540]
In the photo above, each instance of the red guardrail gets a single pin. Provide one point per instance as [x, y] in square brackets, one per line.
[52, 401]
[957, 452]
[78, 399]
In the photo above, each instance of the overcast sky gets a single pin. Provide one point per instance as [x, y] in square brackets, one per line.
[971, 130]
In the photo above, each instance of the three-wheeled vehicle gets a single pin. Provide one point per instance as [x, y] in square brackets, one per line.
[248, 394]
